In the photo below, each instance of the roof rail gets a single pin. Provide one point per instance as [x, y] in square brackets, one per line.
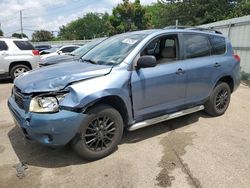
[193, 28]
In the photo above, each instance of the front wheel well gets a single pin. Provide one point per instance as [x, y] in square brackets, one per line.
[229, 80]
[115, 102]
[19, 63]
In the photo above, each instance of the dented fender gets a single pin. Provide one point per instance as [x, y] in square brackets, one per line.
[82, 94]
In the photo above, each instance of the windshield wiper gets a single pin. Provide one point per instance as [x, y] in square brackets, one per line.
[89, 60]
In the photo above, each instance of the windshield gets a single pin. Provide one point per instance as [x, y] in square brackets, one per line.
[85, 48]
[113, 50]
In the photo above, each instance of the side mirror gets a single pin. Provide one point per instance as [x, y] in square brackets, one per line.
[146, 61]
[59, 52]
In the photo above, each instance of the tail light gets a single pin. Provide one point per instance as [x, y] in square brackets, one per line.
[236, 57]
[35, 52]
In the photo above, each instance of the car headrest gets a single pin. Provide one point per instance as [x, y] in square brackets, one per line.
[168, 52]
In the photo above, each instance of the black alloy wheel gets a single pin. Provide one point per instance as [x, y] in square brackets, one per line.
[99, 133]
[219, 100]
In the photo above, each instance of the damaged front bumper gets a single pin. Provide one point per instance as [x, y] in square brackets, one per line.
[54, 129]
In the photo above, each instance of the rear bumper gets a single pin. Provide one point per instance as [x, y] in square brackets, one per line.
[54, 129]
[237, 77]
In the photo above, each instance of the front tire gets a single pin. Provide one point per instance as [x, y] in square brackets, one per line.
[219, 100]
[99, 133]
[17, 70]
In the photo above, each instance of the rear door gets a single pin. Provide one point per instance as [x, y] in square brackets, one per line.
[203, 68]
[4, 66]
[160, 89]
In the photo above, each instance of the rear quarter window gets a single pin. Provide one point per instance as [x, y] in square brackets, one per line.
[3, 46]
[24, 45]
[219, 45]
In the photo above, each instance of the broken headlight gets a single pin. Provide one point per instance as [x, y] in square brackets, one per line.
[45, 103]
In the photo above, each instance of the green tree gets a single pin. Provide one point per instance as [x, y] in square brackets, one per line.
[242, 8]
[18, 35]
[42, 35]
[1, 32]
[128, 16]
[157, 14]
[92, 25]
[196, 12]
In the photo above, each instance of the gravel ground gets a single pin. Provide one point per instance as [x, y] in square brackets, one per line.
[191, 151]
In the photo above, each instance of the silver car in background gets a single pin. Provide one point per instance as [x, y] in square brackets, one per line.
[16, 57]
[58, 50]
[71, 57]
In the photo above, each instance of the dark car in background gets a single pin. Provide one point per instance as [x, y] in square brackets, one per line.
[43, 47]
[73, 56]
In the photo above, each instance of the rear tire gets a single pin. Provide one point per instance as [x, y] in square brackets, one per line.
[219, 100]
[99, 133]
[17, 70]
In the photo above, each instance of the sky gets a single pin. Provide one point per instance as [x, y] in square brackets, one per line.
[49, 14]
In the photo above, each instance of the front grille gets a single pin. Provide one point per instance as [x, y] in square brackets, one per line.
[19, 98]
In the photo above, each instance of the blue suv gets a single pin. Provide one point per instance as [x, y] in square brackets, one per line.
[131, 80]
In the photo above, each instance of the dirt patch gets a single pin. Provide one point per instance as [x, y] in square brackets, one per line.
[2, 148]
[8, 177]
[63, 171]
[174, 147]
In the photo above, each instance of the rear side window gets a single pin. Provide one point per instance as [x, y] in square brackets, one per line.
[196, 45]
[23, 45]
[219, 45]
[3, 46]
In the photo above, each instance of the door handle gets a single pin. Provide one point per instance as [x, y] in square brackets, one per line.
[180, 71]
[217, 65]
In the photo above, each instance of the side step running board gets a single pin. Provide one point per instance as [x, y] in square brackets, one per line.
[164, 118]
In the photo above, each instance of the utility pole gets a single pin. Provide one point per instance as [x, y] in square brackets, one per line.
[0, 26]
[21, 23]
[176, 24]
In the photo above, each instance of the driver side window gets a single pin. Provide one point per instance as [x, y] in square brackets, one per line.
[164, 48]
[153, 48]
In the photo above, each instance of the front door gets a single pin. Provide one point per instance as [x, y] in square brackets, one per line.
[160, 89]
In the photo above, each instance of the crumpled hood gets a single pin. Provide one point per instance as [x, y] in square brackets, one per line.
[58, 59]
[56, 77]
